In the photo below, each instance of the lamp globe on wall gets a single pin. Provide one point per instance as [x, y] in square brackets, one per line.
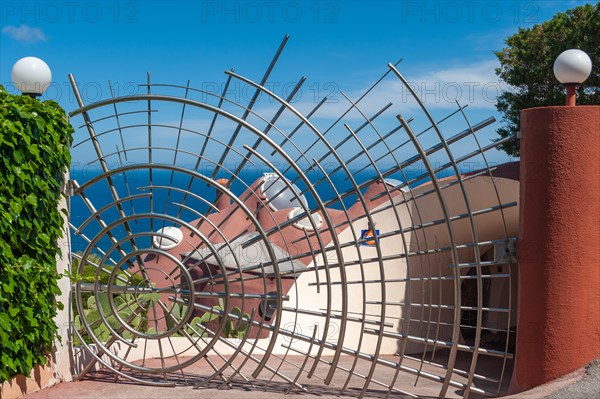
[572, 68]
[31, 75]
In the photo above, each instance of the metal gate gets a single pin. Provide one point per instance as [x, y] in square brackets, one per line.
[224, 240]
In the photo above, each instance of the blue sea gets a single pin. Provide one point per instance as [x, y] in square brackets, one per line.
[135, 184]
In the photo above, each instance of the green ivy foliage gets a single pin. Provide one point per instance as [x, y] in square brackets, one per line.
[35, 138]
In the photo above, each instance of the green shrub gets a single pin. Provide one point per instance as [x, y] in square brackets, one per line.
[35, 138]
[126, 304]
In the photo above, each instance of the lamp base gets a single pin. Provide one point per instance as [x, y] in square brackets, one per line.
[571, 95]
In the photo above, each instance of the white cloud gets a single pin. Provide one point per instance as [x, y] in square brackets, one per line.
[474, 84]
[25, 34]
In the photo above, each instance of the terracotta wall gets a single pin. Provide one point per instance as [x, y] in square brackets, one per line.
[559, 243]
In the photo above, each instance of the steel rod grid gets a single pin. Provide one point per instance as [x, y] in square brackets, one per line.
[195, 267]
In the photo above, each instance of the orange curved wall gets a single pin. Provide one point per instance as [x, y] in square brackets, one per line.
[559, 244]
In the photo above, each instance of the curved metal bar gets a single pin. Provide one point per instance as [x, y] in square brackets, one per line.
[78, 289]
[349, 109]
[487, 167]
[292, 163]
[98, 150]
[227, 192]
[106, 207]
[117, 119]
[379, 254]
[245, 125]
[472, 225]
[394, 208]
[160, 148]
[315, 248]
[252, 102]
[244, 339]
[362, 272]
[453, 252]
[329, 223]
[199, 198]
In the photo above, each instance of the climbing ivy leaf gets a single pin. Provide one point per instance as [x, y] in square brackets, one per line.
[35, 138]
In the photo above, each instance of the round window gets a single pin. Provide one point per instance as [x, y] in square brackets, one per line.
[281, 194]
[174, 237]
[305, 222]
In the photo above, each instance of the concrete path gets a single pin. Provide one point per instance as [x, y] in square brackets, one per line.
[584, 383]
[586, 387]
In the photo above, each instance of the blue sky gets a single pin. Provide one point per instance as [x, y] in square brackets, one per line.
[447, 46]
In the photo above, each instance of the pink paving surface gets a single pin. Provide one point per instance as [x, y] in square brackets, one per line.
[100, 385]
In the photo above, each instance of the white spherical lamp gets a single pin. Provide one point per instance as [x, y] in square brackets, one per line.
[572, 68]
[31, 75]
